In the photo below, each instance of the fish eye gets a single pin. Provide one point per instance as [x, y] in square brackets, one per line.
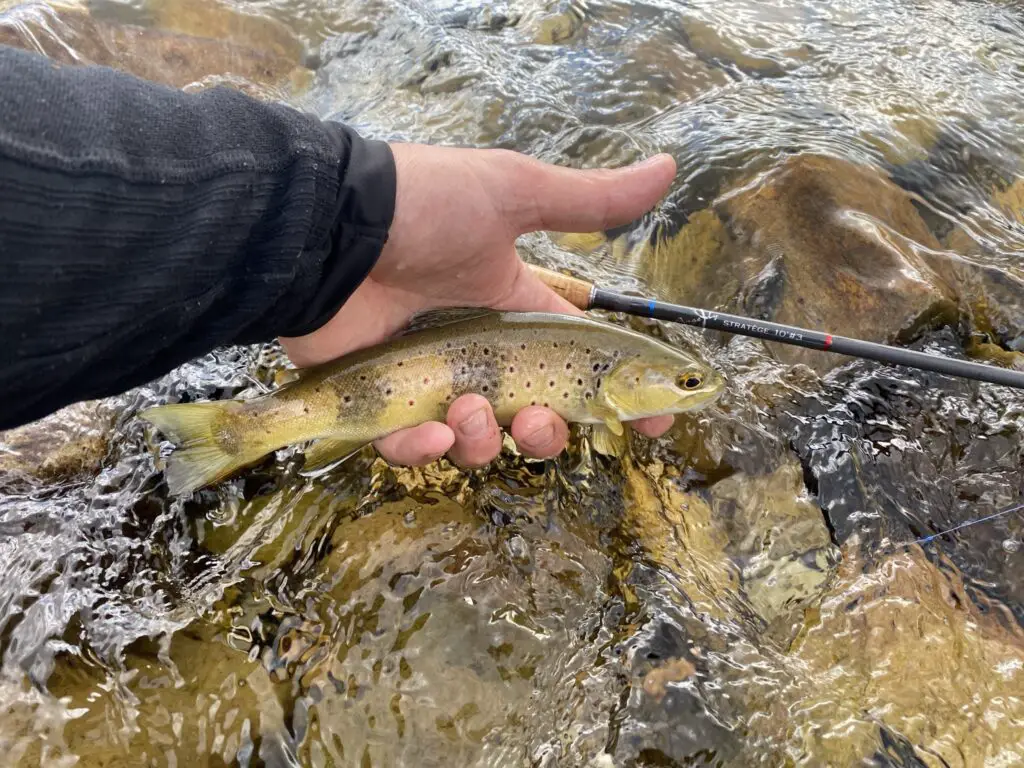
[690, 380]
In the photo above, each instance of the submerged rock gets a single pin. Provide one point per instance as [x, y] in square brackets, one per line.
[991, 288]
[220, 21]
[63, 446]
[816, 242]
[73, 36]
[912, 637]
[828, 245]
[198, 696]
[779, 537]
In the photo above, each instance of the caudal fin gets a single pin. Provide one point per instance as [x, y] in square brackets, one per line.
[199, 459]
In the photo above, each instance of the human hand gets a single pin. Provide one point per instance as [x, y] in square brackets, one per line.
[457, 215]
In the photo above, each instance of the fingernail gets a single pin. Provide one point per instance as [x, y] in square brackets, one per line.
[475, 424]
[540, 438]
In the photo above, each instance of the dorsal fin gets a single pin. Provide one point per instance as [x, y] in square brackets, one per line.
[432, 318]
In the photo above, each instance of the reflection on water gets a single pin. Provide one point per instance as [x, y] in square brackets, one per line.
[744, 591]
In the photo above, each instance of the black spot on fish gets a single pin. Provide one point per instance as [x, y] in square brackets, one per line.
[522, 346]
[587, 350]
[568, 366]
[551, 383]
[572, 343]
[528, 384]
[533, 402]
[597, 367]
[347, 399]
[305, 409]
[579, 382]
[487, 350]
[511, 395]
[588, 395]
[565, 395]
[542, 366]
[412, 402]
[387, 391]
[362, 377]
[484, 388]
[598, 384]
[511, 369]
[556, 345]
[426, 379]
[400, 363]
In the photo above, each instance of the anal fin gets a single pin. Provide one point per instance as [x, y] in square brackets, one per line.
[329, 450]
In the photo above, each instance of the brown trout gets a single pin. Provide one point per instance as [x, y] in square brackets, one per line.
[587, 371]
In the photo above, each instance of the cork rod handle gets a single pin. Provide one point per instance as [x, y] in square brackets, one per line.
[577, 292]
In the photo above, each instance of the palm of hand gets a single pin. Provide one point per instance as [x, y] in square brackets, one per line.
[457, 215]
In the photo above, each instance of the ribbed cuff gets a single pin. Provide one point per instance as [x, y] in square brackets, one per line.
[364, 210]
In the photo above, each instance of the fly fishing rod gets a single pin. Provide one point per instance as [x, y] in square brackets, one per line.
[585, 295]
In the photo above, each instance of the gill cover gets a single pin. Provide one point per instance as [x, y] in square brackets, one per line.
[637, 388]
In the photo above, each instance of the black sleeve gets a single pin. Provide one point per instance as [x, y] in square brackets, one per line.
[141, 226]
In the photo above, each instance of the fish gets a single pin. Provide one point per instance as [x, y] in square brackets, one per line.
[588, 371]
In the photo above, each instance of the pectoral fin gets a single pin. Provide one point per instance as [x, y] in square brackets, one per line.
[614, 426]
[434, 318]
[610, 443]
[328, 450]
[608, 416]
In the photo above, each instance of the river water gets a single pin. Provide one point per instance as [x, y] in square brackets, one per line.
[747, 590]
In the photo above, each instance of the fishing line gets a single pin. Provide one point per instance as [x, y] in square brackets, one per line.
[968, 524]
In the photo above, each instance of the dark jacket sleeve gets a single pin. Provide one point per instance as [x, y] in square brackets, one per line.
[141, 226]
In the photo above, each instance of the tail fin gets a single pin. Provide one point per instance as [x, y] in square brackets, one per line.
[199, 458]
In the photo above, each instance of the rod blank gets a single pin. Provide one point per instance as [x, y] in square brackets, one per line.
[586, 296]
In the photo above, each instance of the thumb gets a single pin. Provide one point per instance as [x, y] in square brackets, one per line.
[567, 200]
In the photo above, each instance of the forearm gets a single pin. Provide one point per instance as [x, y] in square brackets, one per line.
[141, 226]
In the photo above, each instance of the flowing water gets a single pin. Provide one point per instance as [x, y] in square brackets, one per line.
[746, 590]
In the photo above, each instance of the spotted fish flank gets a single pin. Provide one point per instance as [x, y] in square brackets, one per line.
[589, 372]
